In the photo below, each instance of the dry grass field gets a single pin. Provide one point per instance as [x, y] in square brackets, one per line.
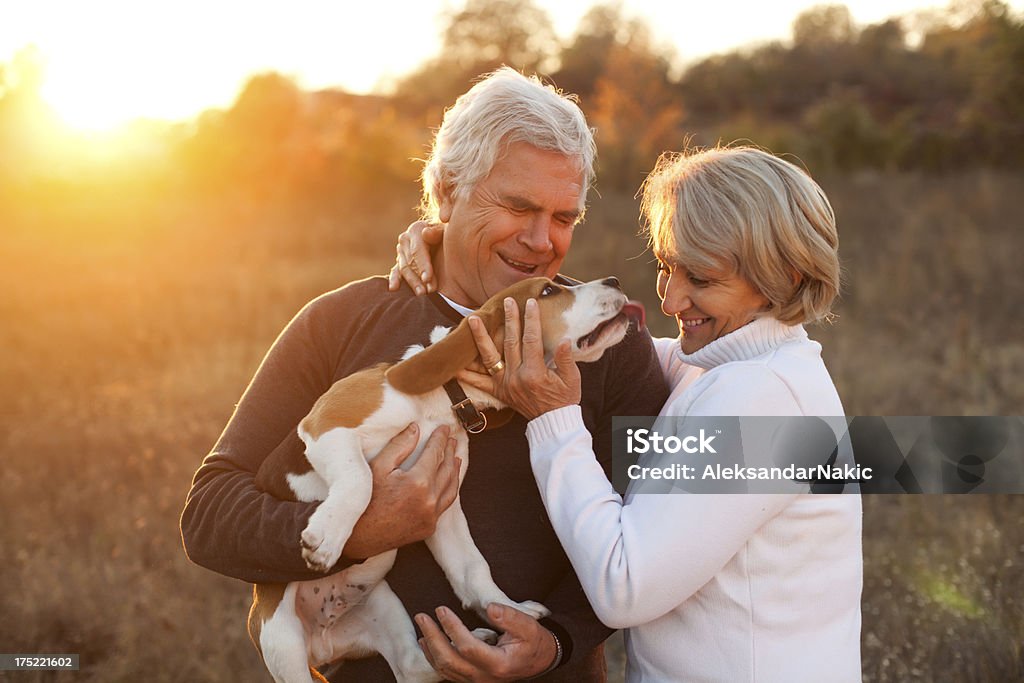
[129, 332]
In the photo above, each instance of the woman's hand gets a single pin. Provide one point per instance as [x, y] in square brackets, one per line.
[525, 382]
[412, 261]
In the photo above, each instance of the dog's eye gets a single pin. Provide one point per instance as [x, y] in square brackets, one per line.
[549, 290]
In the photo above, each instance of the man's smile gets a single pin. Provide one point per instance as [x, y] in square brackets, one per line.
[527, 268]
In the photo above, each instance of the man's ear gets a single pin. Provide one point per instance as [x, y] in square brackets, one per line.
[445, 202]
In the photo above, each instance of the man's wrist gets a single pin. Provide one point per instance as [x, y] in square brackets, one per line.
[563, 645]
[559, 653]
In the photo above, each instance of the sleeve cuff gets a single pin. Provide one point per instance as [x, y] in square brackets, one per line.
[563, 639]
[554, 424]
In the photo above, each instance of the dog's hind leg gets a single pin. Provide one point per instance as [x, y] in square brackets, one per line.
[467, 571]
[397, 637]
[283, 643]
[381, 624]
[456, 553]
[338, 458]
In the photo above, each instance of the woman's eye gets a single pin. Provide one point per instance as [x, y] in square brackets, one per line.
[697, 282]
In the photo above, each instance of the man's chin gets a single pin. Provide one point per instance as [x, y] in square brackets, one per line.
[507, 280]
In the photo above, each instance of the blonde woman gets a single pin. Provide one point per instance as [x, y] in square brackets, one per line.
[712, 587]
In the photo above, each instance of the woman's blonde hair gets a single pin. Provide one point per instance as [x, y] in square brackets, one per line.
[741, 209]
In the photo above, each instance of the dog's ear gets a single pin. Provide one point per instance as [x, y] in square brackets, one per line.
[438, 363]
[492, 313]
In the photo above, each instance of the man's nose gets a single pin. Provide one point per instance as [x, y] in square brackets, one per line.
[612, 282]
[537, 237]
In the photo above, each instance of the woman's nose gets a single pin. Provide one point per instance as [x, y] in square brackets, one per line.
[676, 299]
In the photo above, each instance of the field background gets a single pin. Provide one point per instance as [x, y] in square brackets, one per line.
[140, 292]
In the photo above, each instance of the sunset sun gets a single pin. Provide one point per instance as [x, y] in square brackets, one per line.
[103, 89]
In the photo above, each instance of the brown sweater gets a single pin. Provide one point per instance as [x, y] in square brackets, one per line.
[231, 527]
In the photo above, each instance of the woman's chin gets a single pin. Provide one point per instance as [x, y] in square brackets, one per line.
[689, 344]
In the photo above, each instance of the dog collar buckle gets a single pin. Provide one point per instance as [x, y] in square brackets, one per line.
[472, 420]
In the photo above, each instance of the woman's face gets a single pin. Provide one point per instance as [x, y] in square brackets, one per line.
[706, 306]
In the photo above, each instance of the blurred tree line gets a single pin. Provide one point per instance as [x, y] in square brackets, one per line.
[933, 91]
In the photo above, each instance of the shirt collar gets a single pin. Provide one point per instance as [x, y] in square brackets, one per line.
[750, 341]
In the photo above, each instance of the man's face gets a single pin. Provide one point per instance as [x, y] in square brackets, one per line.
[516, 223]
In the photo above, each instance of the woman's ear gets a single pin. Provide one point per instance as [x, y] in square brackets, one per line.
[795, 277]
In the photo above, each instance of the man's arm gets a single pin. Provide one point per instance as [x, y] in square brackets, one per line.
[230, 526]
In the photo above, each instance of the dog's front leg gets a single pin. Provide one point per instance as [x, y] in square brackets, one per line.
[338, 458]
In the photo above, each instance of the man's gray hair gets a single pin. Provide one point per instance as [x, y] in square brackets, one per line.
[502, 108]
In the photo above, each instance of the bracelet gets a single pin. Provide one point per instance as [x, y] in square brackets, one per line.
[558, 657]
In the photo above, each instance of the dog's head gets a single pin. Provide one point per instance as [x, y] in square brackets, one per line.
[594, 315]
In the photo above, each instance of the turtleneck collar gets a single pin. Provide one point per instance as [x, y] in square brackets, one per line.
[750, 341]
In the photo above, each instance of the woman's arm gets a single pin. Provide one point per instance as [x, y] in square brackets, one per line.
[639, 561]
[672, 367]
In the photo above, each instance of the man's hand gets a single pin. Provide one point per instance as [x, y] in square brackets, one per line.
[525, 649]
[412, 257]
[405, 506]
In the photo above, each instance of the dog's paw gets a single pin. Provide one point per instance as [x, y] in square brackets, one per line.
[528, 607]
[416, 669]
[486, 635]
[318, 552]
[534, 609]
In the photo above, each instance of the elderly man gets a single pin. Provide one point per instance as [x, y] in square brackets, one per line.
[508, 175]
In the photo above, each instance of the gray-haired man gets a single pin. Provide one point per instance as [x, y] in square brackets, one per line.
[508, 175]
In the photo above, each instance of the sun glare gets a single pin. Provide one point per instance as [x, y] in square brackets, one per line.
[108, 62]
[100, 92]
[84, 107]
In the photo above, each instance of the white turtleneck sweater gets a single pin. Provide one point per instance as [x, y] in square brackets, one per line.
[715, 587]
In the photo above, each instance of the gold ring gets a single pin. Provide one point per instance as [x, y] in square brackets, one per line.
[493, 370]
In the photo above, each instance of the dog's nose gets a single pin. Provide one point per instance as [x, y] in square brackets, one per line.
[612, 282]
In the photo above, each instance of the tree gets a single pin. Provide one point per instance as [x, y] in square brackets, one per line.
[824, 25]
[481, 37]
[636, 108]
[495, 32]
[584, 60]
[845, 134]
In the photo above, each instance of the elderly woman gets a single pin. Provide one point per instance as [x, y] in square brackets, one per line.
[712, 587]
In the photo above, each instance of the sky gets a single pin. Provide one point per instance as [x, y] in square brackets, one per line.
[108, 61]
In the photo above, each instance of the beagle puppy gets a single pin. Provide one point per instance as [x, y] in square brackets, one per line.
[346, 428]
